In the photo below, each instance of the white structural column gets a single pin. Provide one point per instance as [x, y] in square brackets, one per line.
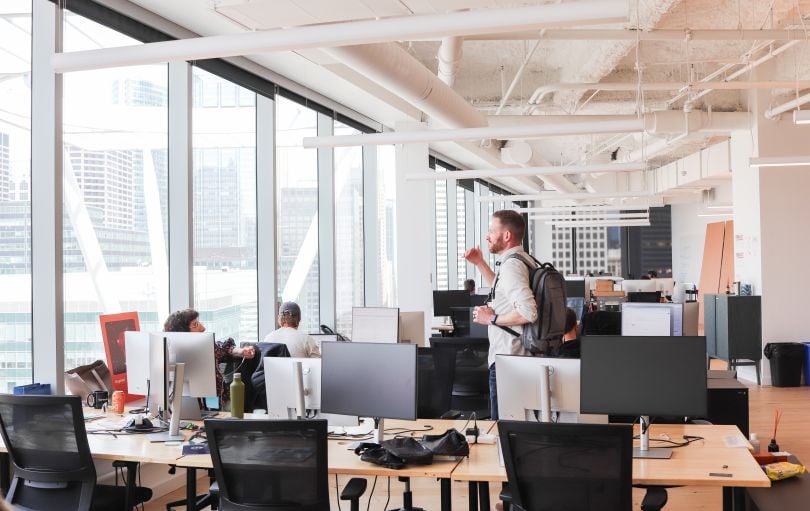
[326, 224]
[47, 307]
[771, 242]
[181, 185]
[266, 215]
[371, 239]
[416, 230]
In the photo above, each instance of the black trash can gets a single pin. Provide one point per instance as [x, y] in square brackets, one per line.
[787, 361]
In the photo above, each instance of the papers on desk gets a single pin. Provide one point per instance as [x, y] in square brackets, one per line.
[736, 441]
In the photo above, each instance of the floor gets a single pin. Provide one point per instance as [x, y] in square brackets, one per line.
[793, 436]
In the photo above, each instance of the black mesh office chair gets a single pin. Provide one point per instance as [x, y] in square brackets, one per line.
[437, 369]
[276, 465]
[53, 468]
[578, 467]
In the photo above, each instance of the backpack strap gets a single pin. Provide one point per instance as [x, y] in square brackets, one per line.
[494, 284]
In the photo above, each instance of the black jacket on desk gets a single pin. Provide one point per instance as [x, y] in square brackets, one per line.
[569, 349]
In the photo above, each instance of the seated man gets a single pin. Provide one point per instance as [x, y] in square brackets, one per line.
[570, 341]
[469, 286]
[299, 343]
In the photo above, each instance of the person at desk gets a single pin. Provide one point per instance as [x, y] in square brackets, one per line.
[469, 286]
[298, 343]
[570, 345]
[512, 304]
[188, 320]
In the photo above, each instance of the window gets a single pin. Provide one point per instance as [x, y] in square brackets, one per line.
[442, 270]
[15, 205]
[461, 235]
[224, 154]
[115, 193]
[349, 283]
[385, 261]
[297, 210]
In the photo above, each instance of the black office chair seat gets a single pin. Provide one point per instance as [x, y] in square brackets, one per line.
[108, 497]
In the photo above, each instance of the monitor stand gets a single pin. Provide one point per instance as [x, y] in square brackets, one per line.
[173, 435]
[644, 451]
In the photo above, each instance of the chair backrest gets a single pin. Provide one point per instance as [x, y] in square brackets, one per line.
[253, 373]
[577, 467]
[274, 465]
[437, 369]
[47, 441]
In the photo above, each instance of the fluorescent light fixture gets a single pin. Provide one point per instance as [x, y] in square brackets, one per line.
[563, 196]
[595, 216]
[714, 214]
[780, 161]
[603, 223]
[801, 116]
[525, 171]
[329, 35]
[581, 210]
[525, 131]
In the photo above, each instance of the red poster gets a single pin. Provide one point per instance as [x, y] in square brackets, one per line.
[113, 327]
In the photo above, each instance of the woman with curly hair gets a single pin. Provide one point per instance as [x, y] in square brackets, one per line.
[188, 320]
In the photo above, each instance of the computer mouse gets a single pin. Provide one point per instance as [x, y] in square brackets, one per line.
[139, 422]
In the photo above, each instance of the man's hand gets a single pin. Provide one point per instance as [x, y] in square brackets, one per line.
[246, 352]
[474, 255]
[483, 315]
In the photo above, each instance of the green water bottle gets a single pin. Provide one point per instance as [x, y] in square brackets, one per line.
[237, 396]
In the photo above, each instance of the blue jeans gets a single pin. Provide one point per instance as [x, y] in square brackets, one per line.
[493, 394]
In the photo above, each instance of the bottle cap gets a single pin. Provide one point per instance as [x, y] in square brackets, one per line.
[237, 375]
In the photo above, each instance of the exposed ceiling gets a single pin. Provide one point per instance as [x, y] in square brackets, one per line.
[489, 64]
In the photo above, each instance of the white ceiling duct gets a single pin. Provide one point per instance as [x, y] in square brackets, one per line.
[403, 28]
[601, 223]
[449, 57]
[517, 152]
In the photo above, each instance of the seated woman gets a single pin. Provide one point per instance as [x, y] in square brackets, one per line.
[570, 341]
[188, 320]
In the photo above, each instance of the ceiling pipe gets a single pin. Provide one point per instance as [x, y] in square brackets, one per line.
[602, 223]
[795, 34]
[350, 33]
[528, 171]
[449, 57]
[596, 216]
[541, 92]
[581, 209]
[748, 67]
[784, 107]
[521, 132]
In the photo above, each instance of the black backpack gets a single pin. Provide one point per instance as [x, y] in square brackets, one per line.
[543, 336]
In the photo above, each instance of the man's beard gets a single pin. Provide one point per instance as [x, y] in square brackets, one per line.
[496, 246]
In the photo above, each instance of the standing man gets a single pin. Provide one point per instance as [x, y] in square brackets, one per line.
[513, 304]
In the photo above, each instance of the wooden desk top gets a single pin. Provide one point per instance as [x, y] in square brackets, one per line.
[689, 466]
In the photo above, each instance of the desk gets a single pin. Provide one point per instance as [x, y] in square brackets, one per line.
[689, 466]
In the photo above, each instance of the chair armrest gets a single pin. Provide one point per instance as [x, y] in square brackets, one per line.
[654, 499]
[354, 489]
[213, 490]
[506, 495]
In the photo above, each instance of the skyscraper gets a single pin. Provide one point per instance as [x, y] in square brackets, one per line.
[5, 168]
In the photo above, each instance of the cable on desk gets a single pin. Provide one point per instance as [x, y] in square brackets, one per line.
[337, 492]
[374, 485]
[402, 431]
[689, 439]
[389, 494]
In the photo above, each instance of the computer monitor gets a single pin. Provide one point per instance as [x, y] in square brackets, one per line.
[196, 351]
[574, 287]
[443, 300]
[136, 345]
[478, 300]
[412, 327]
[636, 286]
[281, 380]
[375, 324]
[369, 380]
[643, 376]
[577, 303]
[644, 296]
[640, 319]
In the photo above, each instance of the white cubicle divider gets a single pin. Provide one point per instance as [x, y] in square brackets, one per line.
[639, 286]
[412, 327]
[652, 319]
[375, 324]
[136, 348]
[520, 389]
[665, 285]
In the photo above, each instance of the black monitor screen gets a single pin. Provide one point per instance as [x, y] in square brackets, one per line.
[622, 375]
[644, 296]
[369, 379]
[575, 288]
[443, 300]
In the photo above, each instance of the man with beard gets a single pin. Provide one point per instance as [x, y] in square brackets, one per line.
[512, 303]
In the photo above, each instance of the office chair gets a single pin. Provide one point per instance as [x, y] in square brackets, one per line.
[53, 467]
[273, 465]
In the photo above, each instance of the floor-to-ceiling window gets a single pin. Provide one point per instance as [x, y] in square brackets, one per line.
[224, 154]
[349, 256]
[460, 232]
[386, 250]
[297, 210]
[442, 229]
[15, 194]
[115, 192]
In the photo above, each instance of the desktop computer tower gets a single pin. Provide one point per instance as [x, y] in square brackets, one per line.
[727, 403]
